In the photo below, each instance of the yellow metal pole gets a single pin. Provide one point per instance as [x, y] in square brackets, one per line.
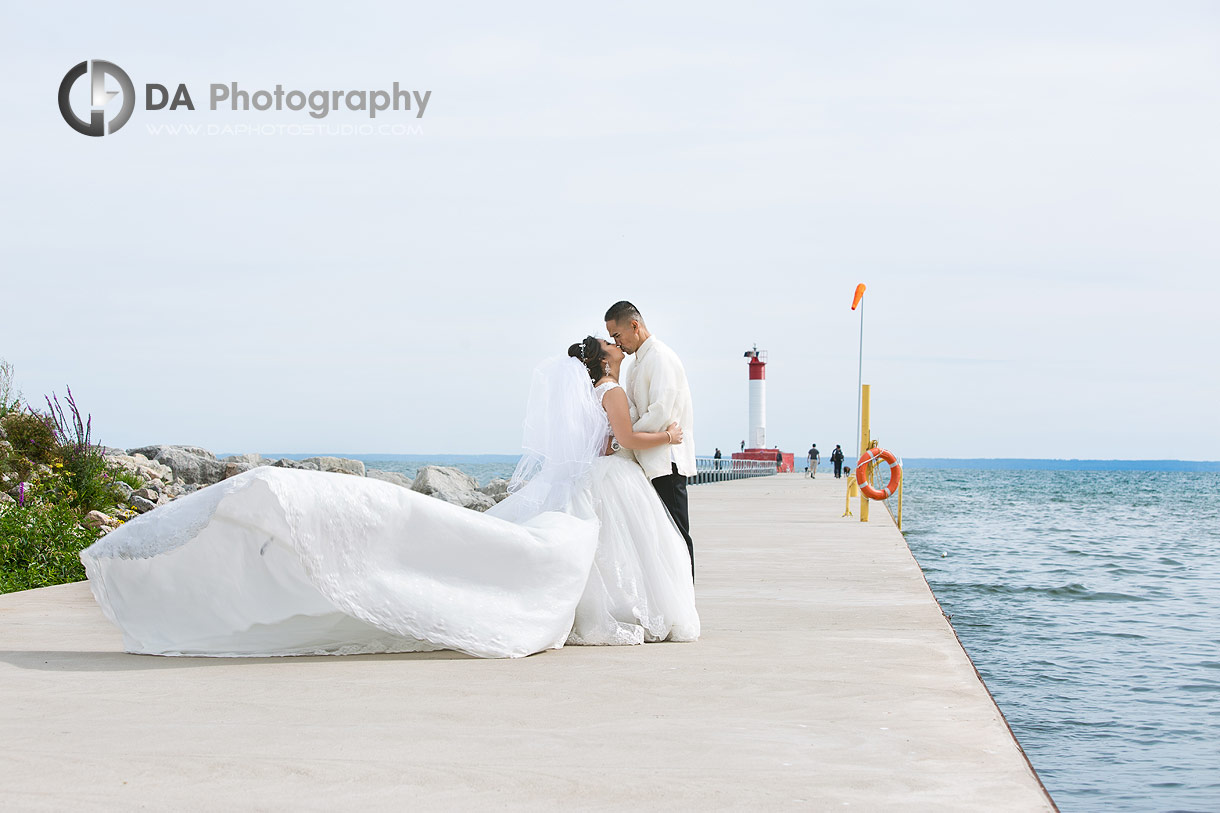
[874, 464]
[901, 477]
[864, 436]
[852, 491]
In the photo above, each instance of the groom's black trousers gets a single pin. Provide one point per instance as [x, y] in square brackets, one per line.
[671, 488]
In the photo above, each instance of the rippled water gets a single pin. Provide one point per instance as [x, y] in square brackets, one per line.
[1090, 603]
[482, 467]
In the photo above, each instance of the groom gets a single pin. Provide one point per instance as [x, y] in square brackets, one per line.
[657, 390]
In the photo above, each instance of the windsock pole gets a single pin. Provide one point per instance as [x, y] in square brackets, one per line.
[858, 299]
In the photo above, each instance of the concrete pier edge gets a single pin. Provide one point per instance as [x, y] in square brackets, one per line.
[982, 682]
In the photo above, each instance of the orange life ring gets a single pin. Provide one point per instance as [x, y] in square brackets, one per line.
[862, 473]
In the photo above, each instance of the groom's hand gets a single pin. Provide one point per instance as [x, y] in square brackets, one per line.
[675, 433]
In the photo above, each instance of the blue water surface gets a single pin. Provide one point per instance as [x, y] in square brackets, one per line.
[482, 467]
[1090, 603]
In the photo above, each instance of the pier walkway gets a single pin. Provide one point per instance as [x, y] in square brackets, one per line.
[827, 679]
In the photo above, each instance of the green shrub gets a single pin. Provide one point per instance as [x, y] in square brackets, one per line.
[32, 436]
[55, 487]
[129, 477]
[93, 487]
[40, 545]
[84, 483]
[41, 538]
[11, 461]
[83, 462]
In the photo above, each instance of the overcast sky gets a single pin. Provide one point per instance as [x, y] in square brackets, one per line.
[1028, 189]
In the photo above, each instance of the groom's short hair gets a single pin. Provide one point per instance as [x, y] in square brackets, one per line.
[623, 312]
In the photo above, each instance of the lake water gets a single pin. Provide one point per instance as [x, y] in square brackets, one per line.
[482, 467]
[1090, 603]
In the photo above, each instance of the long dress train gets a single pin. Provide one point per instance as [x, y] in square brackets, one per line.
[286, 562]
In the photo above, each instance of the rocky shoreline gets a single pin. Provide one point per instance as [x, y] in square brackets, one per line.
[168, 472]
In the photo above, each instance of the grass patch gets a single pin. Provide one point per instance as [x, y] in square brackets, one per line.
[40, 545]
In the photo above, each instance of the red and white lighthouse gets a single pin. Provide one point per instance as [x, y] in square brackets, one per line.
[756, 448]
[757, 438]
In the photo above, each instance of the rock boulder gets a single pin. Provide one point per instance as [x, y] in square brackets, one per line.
[151, 452]
[142, 505]
[148, 470]
[389, 476]
[452, 486]
[97, 519]
[336, 464]
[189, 463]
[251, 460]
[233, 468]
[497, 489]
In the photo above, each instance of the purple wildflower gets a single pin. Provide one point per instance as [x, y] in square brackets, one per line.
[21, 494]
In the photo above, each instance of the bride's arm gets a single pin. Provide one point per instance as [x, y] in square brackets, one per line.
[615, 404]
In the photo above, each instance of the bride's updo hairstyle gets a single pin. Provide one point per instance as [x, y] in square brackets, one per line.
[590, 354]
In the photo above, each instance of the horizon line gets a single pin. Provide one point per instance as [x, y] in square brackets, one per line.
[911, 459]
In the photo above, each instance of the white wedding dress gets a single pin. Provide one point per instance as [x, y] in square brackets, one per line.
[290, 562]
[640, 586]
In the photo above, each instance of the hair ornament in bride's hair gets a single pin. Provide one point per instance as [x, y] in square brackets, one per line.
[589, 352]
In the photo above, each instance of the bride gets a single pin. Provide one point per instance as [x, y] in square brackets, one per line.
[640, 587]
[293, 562]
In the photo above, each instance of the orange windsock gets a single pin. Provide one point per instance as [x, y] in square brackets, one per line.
[859, 295]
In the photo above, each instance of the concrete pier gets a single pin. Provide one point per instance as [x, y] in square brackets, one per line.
[827, 679]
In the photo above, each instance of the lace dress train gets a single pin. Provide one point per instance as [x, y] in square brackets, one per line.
[287, 562]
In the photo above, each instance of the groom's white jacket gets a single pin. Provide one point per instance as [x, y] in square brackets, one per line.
[657, 389]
